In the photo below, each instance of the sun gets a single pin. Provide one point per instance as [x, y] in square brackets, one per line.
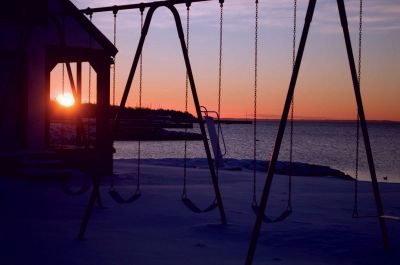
[65, 100]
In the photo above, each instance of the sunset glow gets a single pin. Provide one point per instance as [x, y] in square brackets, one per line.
[324, 87]
[65, 100]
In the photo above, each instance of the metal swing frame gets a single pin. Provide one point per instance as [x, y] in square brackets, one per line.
[152, 8]
[284, 118]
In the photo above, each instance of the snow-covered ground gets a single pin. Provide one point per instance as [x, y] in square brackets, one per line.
[39, 223]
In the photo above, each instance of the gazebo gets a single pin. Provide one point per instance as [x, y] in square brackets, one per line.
[36, 37]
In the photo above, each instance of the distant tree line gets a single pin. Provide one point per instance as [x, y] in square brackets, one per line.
[88, 110]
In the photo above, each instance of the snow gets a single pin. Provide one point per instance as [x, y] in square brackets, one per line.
[39, 223]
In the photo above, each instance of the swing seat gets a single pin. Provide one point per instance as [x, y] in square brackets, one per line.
[191, 206]
[67, 189]
[118, 198]
[390, 217]
[285, 214]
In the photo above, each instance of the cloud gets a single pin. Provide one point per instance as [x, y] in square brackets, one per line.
[379, 15]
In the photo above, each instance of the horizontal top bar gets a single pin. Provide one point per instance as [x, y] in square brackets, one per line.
[116, 8]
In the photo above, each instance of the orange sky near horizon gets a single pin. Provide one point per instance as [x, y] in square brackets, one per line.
[324, 88]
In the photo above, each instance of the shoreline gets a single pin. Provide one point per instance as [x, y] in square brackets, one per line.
[282, 167]
[245, 165]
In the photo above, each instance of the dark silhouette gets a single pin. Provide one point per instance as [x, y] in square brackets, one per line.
[117, 121]
[282, 125]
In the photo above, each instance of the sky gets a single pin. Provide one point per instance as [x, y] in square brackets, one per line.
[324, 88]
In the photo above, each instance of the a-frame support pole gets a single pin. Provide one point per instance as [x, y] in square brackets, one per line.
[94, 196]
[363, 123]
[282, 125]
[198, 112]
[279, 137]
[131, 75]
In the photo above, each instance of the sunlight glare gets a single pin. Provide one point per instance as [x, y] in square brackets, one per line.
[65, 100]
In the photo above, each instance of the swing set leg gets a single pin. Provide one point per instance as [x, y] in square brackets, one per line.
[279, 137]
[363, 123]
[99, 201]
[94, 197]
[199, 114]
[282, 125]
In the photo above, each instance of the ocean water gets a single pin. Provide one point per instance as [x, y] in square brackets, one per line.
[323, 143]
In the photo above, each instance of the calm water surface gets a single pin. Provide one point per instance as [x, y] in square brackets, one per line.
[324, 143]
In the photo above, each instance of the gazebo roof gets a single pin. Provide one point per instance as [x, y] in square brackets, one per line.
[15, 14]
[85, 23]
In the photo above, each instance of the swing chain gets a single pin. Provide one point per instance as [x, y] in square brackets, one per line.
[141, 61]
[255, 104]
[187, 48]
[140, 101]
[360, 33]
[142, 8]
[360, 29]
[63, 79]
[90, 67]
[63, 64]
[294, 32]
[219, 80]
[292, 108]
[115, 11]
[220, 56]
[184, 194]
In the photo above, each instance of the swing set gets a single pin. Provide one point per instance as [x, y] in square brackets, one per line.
[153, 6]
[288, 103]
[258, 206]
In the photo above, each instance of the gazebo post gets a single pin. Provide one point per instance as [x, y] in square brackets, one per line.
[103, 157]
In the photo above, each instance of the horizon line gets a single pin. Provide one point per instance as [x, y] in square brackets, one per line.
[314, 120]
